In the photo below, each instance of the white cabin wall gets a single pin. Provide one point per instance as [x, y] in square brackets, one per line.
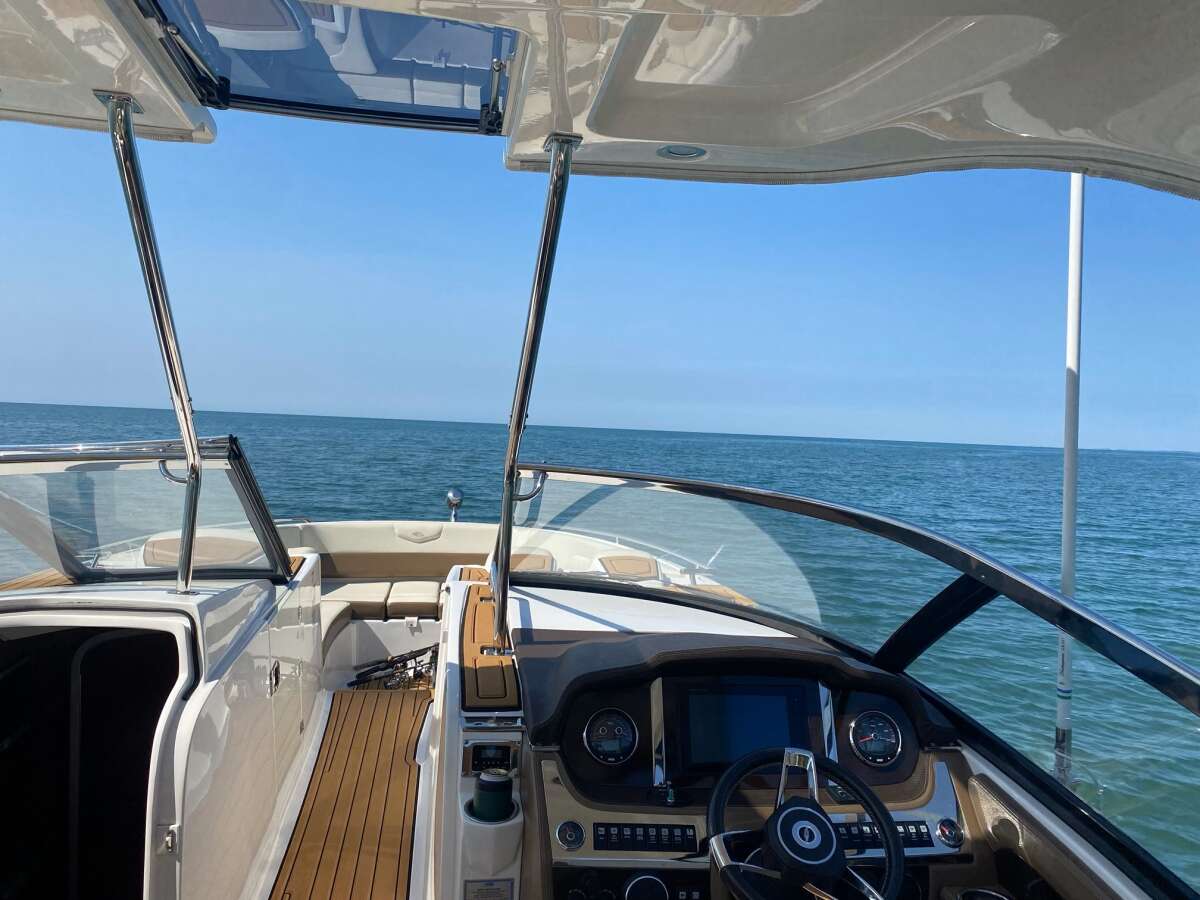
[229, 782]
[244, 742]
[308, 586]
[294, 634]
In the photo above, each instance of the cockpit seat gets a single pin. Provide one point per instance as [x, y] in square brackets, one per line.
[418, 597]
[335, 615]
[533, 561]
[366, 599]
[211, 549]
[635, 567]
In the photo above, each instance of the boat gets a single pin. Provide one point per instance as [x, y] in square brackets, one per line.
[631, 686]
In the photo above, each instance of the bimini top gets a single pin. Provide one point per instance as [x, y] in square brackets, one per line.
[728, 90]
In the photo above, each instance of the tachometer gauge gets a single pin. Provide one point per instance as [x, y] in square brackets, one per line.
[610, 736]
[875, 738]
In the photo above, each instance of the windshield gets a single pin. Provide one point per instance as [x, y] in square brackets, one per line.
[852, 584]
[70, 522]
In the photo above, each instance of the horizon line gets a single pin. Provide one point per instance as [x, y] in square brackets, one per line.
[803, 437]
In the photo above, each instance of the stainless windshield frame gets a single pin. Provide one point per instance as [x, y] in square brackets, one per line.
[223, 449]
[1169, 675]
[121, 109]
[561, 148]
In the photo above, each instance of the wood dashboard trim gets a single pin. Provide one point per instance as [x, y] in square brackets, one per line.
[563, 804]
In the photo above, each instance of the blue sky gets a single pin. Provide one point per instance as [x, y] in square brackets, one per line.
[353, 270]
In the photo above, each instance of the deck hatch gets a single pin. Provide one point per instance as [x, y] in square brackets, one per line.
[326, 60]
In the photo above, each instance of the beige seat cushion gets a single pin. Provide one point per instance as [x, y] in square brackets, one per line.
[335, 615]
[533, 561]
[640, 567]
[420, 597]
[207, 550]
[367, 599]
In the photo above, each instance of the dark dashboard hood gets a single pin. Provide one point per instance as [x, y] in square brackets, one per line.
[554, 667]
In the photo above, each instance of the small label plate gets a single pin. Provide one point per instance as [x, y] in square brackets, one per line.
[495, 889]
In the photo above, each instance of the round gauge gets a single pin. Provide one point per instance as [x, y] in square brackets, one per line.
[875, 738]
[610, 736]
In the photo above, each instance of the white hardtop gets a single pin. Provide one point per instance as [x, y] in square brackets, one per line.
[733, 90]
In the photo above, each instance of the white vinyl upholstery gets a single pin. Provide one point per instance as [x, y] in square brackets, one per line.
[377, 599]
[414, 597]
[367, 599]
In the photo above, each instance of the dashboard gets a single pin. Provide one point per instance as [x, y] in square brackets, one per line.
[630, 734]
[667, 740]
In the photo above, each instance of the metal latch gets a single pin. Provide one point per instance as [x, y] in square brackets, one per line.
[491, 116]
[273, 679]
[168, 839]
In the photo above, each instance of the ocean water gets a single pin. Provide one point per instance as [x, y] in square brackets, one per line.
[1137, 753]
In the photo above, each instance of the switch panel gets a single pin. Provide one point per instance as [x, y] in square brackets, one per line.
[644, 838]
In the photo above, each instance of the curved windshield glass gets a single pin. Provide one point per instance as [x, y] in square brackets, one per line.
[66, 522]
[850, 583]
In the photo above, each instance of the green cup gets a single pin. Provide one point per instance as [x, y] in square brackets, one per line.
[493, 796]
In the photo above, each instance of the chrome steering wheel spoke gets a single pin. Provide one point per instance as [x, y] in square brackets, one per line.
[799, 839]
[719, 849]
[863, 886]
[794, 758]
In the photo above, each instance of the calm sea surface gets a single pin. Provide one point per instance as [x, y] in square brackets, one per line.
[1138, 754]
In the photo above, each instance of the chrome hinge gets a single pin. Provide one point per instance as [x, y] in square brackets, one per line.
[168, 841]
[491, 121]
[105, 97]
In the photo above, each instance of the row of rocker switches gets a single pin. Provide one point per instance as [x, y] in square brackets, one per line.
[864, 835]
[615, 836]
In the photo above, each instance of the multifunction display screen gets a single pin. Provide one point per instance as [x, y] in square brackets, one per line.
[711, 722]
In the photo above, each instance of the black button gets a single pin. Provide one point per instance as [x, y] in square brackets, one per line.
[570, 835]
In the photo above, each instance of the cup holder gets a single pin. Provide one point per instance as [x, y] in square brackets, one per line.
[469, 809]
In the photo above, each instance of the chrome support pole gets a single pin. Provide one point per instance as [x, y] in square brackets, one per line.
[1062, 723]
[561, 148]
[120, 125]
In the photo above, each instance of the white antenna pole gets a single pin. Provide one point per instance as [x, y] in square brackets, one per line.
[1062, 725]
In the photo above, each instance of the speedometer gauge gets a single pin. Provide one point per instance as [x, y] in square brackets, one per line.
[610, 736]
[875, 738]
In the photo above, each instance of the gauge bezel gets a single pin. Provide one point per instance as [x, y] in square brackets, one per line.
[588, 727]
[899, 739]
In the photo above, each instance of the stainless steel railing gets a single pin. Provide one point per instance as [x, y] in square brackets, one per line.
[121, 109]
[561, 147]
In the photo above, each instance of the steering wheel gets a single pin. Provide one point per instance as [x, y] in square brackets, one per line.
[798, 845]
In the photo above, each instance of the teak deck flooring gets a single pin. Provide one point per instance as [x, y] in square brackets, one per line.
[489, 681]
[354, 835]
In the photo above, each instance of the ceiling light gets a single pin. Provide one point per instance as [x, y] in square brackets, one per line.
[680, 151]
